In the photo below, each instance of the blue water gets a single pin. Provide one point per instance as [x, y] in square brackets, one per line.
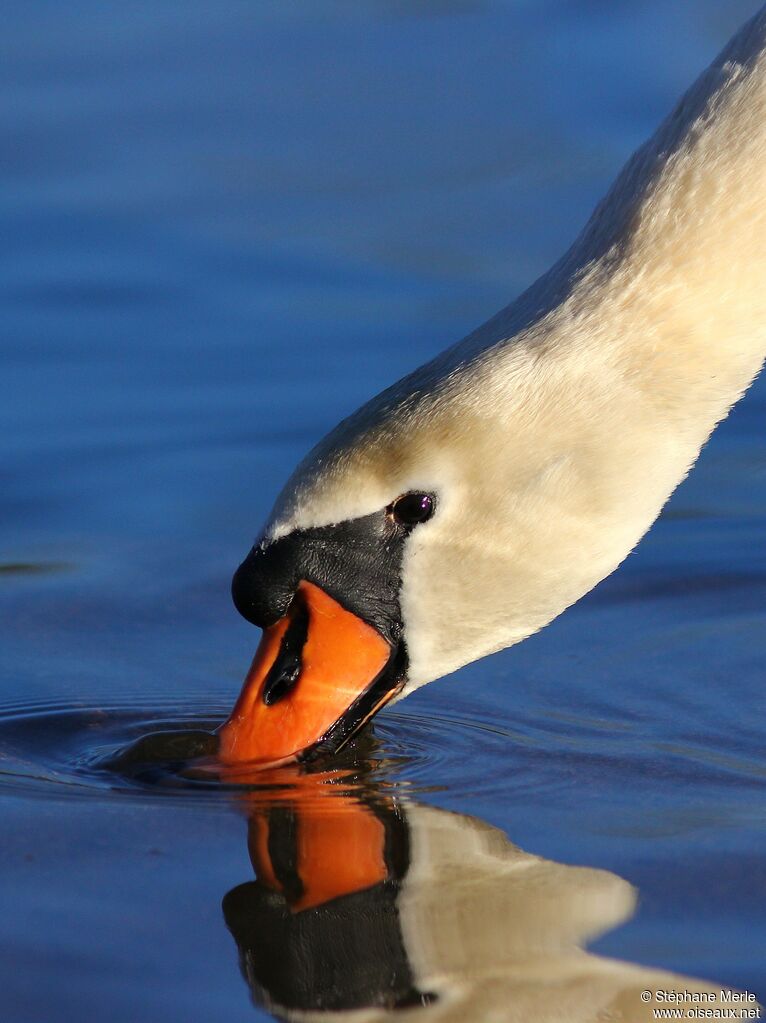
[224, 226]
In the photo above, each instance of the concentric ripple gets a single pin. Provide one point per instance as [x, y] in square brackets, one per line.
[74, 750]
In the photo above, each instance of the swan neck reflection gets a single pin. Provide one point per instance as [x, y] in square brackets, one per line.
[364, 904]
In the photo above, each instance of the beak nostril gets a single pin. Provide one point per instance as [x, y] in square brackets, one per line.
[286, 668]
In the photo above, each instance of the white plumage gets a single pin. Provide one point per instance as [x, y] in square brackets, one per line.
[553, 435]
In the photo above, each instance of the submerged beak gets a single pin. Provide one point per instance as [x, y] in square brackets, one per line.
[319, 674]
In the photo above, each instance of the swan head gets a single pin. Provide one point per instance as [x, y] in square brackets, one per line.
[468, 505]
[443, 521]
[335, 582]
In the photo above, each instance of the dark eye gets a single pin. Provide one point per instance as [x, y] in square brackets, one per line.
[411, 509]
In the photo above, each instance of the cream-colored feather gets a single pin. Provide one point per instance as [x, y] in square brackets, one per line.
[554, 434]
[496, 934]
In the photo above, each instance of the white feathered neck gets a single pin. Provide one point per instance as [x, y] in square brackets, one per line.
[554, 434]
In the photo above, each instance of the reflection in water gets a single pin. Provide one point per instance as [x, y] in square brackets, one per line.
[365, 903]
[320, 927]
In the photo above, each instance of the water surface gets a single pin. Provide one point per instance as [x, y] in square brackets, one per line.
[225, 226]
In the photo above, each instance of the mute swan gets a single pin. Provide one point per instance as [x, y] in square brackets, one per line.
[469, 504]
[363, 905]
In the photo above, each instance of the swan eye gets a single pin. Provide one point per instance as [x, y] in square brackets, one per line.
[411, 509]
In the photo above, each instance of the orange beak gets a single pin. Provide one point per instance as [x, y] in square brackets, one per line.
[318, 675]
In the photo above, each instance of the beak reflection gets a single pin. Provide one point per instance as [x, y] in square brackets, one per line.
[319, 927]
[366, 902]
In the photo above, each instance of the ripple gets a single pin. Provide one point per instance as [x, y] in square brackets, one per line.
[69, 750]
[58, 749]
[73, 750]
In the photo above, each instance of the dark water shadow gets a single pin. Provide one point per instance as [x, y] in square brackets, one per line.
[13, 568]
